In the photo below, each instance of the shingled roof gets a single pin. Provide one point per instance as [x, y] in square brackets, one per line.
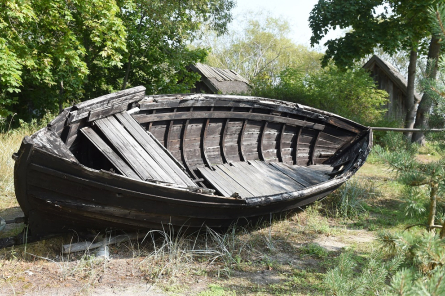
[392, 73]
[223, 81]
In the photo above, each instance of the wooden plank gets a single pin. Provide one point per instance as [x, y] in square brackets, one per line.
[313, 173]
[314, 146]
[165, 160]
[142, 156]
[234, 184]
[106, 150]
[49, 141]
[307, 175]
[261, 140]
[256, 179]
[203, 141]
[169, 129]
[135, 93]
[146, 141]
[144, 118]
[291, 173]
[223, 141]
[246, 180]
[214, 179]
[280, 143]
[280, 181]
[297, 146]
[126, 146]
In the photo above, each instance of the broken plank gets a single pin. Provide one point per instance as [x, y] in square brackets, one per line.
[106, 150]
[153, 149]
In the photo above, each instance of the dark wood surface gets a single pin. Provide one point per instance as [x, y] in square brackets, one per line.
[256, 153]
[143, 118]
[257, 178]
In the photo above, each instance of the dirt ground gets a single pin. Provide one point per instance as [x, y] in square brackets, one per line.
[267, 258]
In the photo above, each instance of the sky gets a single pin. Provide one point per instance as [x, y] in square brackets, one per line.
[295, 11]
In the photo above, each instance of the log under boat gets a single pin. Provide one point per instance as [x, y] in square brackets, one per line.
[131, 161]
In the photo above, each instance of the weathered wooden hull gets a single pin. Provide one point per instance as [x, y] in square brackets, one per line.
[62, 181]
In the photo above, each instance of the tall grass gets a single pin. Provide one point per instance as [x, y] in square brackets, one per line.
[10, 140]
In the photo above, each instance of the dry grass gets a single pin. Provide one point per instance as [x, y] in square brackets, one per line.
[282, 255]
[10, 140]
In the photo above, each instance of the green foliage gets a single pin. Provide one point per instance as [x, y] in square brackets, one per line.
[352, 93]
[400, 24]
[345, 280]
[349, 199]
[54, 53]
[315, 250]
[424, 180]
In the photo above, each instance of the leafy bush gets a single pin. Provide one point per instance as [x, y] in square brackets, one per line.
[351, 93]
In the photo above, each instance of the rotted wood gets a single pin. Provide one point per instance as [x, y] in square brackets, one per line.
[312, 155]
[117, 162]
[260, 146]
[183, 153]
[296, 147]
[143, 118]
[241, 138]
[223, 140]
[203, 140]
[106, 105]
[169, 129]
[153, 149]
[280, 143]
[128, 151]
[151, 123]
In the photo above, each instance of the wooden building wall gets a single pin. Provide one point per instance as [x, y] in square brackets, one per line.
[396, 105]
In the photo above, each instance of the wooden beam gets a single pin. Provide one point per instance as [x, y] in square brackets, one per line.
[393, 129]
[106, 150]
[312, 155]
[168, 130]
[223, 141]
[143, 118]
[151, 123]
[203, 139]
[280, 143]
[241, 138]
[295, 151]
[145, 139]
[260, 144]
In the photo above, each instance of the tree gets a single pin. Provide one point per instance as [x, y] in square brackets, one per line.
[49, 46]
[402, 24]
[260, 50]
[437, 15]
[57, 52]
[159, 33]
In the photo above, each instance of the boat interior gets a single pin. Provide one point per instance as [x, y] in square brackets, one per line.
[236, 150]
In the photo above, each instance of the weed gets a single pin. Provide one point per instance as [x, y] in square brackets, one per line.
[215, 290]
[315, 250]
[349, 200]
[315, 222]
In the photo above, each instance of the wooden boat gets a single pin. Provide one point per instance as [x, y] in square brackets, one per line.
[130, 161]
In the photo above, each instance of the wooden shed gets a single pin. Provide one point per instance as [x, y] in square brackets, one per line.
[219, 81]
[390, 79]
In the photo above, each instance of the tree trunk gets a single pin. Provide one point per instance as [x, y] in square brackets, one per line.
[410, 102]
[434, 187]
[127, 72]
[426, 102]
[61, 96]
[442, 231]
